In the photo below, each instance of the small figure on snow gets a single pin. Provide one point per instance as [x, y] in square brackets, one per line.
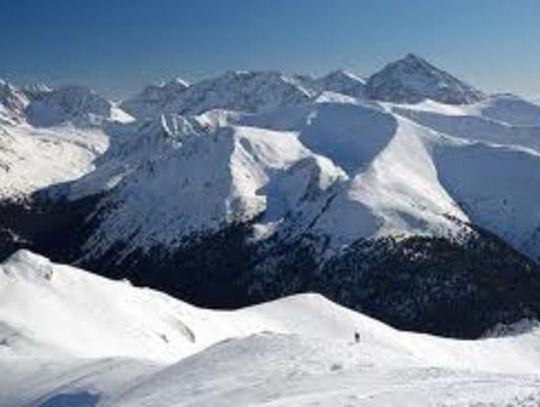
[357, 337]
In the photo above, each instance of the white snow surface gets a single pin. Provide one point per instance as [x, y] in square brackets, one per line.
[215, 178]
[344, 168]
[486, 160]
[289, 150]
[50, 136]
[67, 336]
[34, 158]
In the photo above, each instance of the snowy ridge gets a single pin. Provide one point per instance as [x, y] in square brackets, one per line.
[215, 179]
[501, 135]
[398, 193]
[239, 91]
[343, 82]
[134, 146]
[295, 350]
[155, 99]
[36, 90]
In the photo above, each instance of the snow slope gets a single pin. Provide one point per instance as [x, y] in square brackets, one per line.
[70, 337]
[397, 193]
[489, 163]
[492, 198]
[51, 136]
[206, 182]
[34, 158]
[510, 109]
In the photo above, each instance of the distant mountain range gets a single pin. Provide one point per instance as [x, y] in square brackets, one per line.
[408, 195]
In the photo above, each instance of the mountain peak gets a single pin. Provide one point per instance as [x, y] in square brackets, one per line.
[410, 57]
[175, 83]
[413, 79]
[343, 82]
[153, 99]
[12, 100]
[343, 74]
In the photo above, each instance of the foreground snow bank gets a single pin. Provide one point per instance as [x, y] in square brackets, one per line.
[67, 336]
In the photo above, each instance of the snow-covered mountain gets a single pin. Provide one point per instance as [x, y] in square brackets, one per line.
[48, 136]
[155, 99]
[68, 337]
[239, 91]
[413, 79]
[397, 178]
[250, 92]
[76, 104]
[32, 158]
[343, 82]
[12, 103]
[254, 185]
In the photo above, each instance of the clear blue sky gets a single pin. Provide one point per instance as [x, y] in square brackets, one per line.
[116, 46]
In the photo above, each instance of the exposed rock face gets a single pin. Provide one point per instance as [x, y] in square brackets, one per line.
[412, 79]
[12, 103]
[343, 82]
[75, 104]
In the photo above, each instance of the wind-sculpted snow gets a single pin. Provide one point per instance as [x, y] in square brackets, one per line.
[65, 335]
[350, 135]
[412, 80]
